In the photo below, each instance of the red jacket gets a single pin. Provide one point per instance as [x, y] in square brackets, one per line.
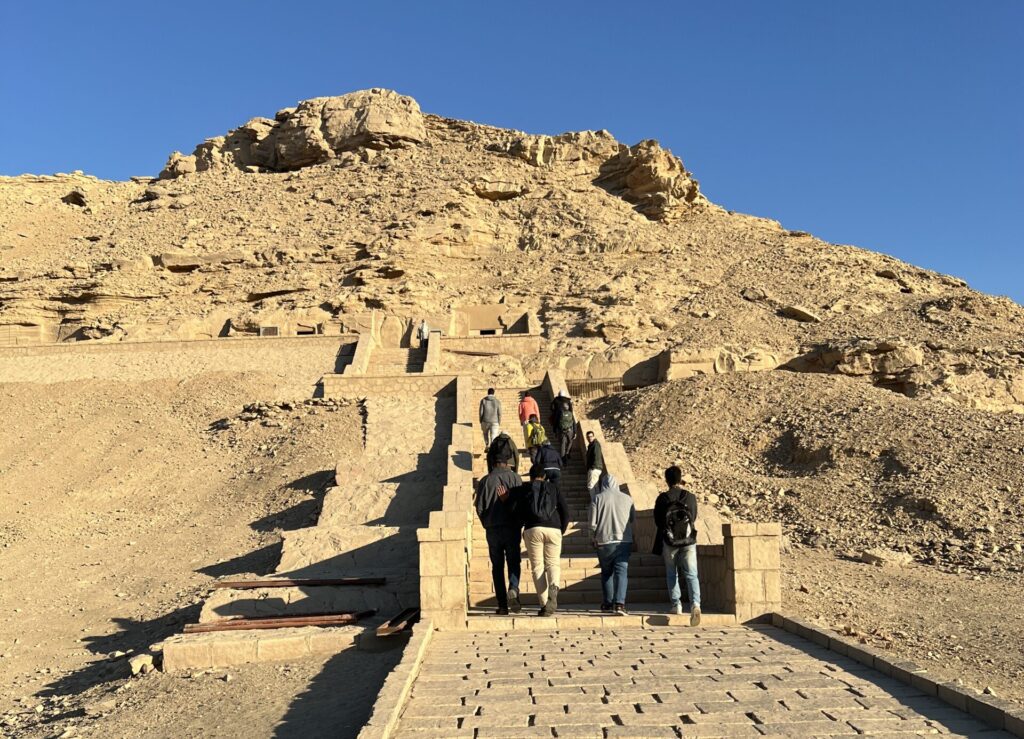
[528, 407]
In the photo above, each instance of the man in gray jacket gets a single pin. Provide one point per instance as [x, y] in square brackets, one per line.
[490, 417]
[612, 515]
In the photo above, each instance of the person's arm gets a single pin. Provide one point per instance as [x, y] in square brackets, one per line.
[693, 508]
[659, 510]
[481, 410]
[563, 509]
[499, 407]
[593, 522]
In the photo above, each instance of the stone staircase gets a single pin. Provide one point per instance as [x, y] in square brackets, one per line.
[581, 579]
[393, 362]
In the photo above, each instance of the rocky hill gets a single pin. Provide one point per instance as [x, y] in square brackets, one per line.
[346, 205]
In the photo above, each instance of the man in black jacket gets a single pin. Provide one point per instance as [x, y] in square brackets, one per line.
[549, 460]
[545, 514]
[496, 508]
[564, 422]
[672, 510]
[595, 460]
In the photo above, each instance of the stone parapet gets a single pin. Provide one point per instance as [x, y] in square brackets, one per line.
[753, 584]
[432, 364]
[228, 648]
[347, 386]
[517, 345]
[361, 358]
[445, 543]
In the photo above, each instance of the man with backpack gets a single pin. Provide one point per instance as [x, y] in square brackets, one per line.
[503, 449]
[550, 462]
[497, 510]
[535, 436]
[545, 514]
[675, 515]
[564, 421]
[490, 416]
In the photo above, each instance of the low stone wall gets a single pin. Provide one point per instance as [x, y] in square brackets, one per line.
[517, 345]
[394, 694]
[998, 713]
[302, 360]
[348, 386]
[446, 541]
[753, 581]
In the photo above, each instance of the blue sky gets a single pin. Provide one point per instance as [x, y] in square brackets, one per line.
[897, 125]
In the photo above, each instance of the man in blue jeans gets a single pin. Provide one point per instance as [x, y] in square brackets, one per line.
[496, 507]
[675, 515]
[612, 515]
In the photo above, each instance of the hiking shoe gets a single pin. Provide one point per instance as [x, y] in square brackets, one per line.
[547, 610]
[620, 609]
[677, 609]
[513, 601]
[695, 616]
[606, 608]
[502, 611]
[552, 598]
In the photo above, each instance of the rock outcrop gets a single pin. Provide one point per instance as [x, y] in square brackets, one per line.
[652, 178]
[313, 132]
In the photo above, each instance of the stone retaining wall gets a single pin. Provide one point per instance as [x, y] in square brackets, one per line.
[517, 345]
[446, 541]
[348, 386]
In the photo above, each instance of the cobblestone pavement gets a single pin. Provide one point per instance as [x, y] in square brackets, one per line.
[670, 682]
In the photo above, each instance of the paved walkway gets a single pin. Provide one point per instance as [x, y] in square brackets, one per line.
[666, 682]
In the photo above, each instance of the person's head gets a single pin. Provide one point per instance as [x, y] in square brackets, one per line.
[561, 394]
[674, 475]
[527, 394]
[533, 418]
[490, 391]
[501, 464]
[537, 473]
[590, 436]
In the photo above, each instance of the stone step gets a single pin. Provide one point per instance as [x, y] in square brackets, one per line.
[575, 596]
[576, 616]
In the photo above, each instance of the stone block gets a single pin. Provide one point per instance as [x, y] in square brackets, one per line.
[1013, 721]
[331, 641]
[764, 553]
[749, 586]
[739, 529]
[453, 592]
[772, 528]
[276, 647]
[424, 535]
[737, 554]
[455, 558]
[839, 645]
[772, 586]
[187, 654]
[430, 592]
[432, 558]
[923, 682]
[952, 694]
[233, 650]
[990, 710]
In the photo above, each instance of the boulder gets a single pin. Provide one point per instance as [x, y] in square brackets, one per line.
[313, 132]
[799, 313]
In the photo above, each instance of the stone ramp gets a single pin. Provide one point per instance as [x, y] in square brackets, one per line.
[754, 680]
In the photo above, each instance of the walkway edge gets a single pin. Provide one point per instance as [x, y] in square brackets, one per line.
[998, 713]
[394, 694]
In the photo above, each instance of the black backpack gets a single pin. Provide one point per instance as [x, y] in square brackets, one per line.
[680, 529]
[501, 449]
[566, 420]
[543, 506]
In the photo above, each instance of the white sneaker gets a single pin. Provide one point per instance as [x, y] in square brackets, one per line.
[677, 609]
[695, 616]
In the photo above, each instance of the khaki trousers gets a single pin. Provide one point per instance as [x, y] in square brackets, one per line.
[544, 548]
